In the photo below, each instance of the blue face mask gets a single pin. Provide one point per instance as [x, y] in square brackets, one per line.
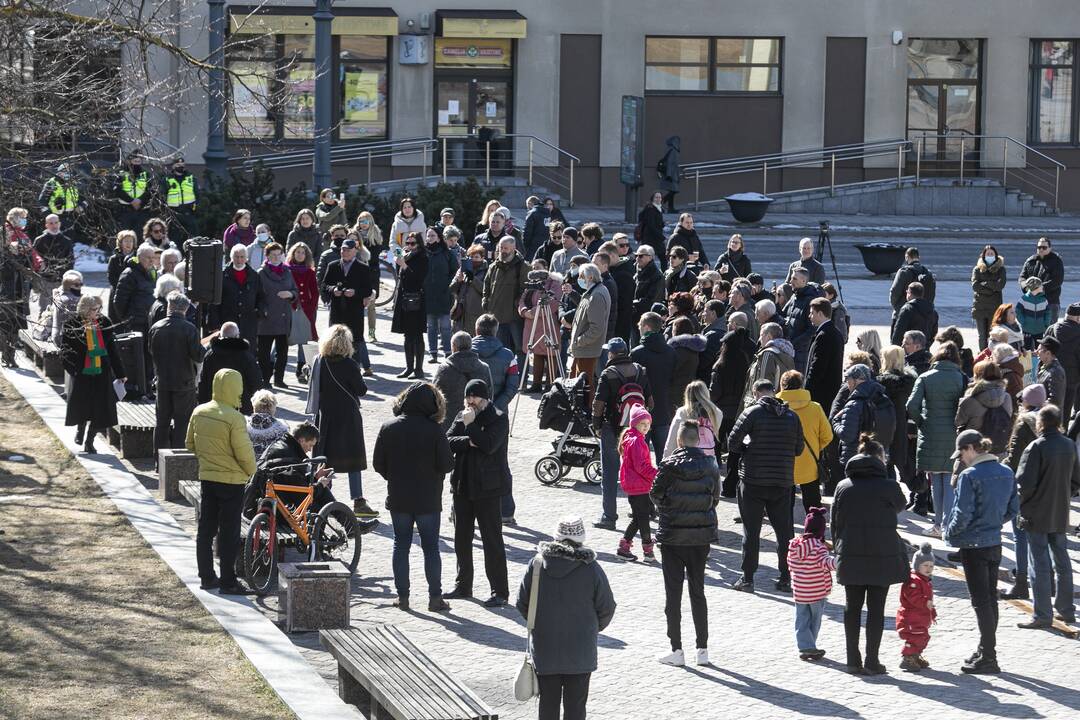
[989, 259]
[583, 283]
[262, 237]
[20, 222]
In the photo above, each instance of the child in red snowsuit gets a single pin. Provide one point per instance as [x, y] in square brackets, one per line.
[917, 612]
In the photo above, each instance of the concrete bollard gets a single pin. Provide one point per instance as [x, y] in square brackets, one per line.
[175, 466]
[313, 596]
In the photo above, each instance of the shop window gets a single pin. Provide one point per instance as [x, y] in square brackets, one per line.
[712, 65]
[1053, 92]
[363, 79]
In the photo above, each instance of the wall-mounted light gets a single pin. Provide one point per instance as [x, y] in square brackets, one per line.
[897, 37]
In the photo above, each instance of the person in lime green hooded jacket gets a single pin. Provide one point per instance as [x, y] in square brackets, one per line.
[218, 436]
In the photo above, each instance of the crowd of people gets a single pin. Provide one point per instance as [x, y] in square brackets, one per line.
[690, 367]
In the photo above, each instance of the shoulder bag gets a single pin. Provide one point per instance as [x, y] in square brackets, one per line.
[527, 685]
[300, 330]
[824, 476]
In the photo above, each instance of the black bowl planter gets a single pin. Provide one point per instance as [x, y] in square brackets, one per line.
[882, 258]
[748, 207]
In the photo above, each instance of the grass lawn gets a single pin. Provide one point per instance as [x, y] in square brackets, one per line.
[93, 623]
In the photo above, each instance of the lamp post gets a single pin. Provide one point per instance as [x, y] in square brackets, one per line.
[320, 171]
[216, 157]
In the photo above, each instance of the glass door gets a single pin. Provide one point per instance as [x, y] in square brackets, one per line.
[943, 97]
[470, 111]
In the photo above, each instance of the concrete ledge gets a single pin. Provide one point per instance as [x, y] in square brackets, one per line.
[174, 467]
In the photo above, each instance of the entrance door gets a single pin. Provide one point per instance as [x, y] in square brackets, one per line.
[940, 113]
[469, 111]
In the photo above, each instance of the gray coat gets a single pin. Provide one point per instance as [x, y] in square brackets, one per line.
[453, 374]
[275, 317]
[1049, 477]
[589, 332]
[573, 604]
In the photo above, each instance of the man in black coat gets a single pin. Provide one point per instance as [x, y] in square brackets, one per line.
[658, 359]
[770, 437]
[57, 250]
[241, 296]
[347, 290]
[727, 385]
[808, 261]
[535, 233]
[916, 354]
[229, 350]
[911, 271]
[1046, 265]
[622, 269]
[825, 363]
[686, 490]
[714, 331]
[917, 313]
[481, 477]
[1067, 332]
[177, 352]
[134, 292]
[799, 330]
[648, 286]
[330, 254]
[294, 448]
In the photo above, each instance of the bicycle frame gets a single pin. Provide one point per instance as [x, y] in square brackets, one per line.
[295, 518]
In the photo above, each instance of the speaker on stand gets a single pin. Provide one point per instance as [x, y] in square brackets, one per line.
[202, 283]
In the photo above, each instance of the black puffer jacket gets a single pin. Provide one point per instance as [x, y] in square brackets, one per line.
[414, 480]
[648, 288]
[729, 372]
[688, 349]
[898, 387]
[775, 439]
[799, 330]
[1067, 333]
[868, 549]
[917, 314]
[133, 297]
[481, 467]
[686, 491]
[849, 421]
[623, 301]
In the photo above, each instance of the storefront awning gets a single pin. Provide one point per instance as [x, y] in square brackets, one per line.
[479, 24]
[293, 20]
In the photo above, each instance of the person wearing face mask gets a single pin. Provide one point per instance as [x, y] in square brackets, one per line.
[132, 191]
[987, 282]
[332, 253]
[468, 289]
[442, 267]
[57, 251]
[257, 248]
[60, 196]
[733, 263]
[181, 192]
[589, 331]
[15, 267]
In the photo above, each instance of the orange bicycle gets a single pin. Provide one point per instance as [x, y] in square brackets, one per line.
[333, 533]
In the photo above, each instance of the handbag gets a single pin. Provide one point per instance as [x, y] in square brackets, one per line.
[527, 685]
[412, 302]
[300, 332]
[823, 472]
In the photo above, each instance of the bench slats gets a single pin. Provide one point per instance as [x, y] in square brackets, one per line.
[400, 677]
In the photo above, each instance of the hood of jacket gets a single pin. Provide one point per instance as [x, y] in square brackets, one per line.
[774, 405]
[866, 390]
[486, 345]
[674, 142]
[990, 393]
[224, 344]
[654, 342]
[782, 345]
[398, 217]
[466, 362]
[562, 558]
[865, 467]
[261, 421]
[795, 399]
[227, 388]
[895, 382]
[695, 343]
[419, 399]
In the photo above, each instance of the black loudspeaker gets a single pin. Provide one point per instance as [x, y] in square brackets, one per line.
[132, 349]
[205, 259]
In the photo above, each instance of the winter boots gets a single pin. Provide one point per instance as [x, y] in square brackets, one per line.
[625, 548]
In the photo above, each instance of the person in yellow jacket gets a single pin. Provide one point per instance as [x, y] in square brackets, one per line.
[817, 434]
[181, 192]
[217, 434]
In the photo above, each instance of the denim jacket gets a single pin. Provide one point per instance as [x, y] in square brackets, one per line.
[986, 499]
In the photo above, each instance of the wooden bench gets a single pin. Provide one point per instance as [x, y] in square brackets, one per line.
[45, 354]
[385, 675]
[133, 434]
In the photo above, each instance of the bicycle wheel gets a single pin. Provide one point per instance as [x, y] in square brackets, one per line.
[548, 470]
[260, 556]
[337, 536]
[388, 283]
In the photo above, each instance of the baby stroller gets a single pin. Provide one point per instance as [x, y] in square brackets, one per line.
[563, 408]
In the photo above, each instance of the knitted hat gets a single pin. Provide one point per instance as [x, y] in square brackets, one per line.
[571, 231]
[571, 529]
[859, 372]
[1034, 395]
[637, 414]
[925, 554]
[815, 522]
[477, 388]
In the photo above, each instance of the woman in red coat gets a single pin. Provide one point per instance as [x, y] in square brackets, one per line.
[302, 265]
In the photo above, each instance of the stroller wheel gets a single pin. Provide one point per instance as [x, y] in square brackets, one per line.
[548, 470]
[592, 472]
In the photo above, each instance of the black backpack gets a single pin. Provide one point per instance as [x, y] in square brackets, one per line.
[878, 417]
[997, 426]
[929, 283]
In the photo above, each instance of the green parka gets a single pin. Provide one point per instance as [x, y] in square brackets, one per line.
[932, 405]
[987, 282]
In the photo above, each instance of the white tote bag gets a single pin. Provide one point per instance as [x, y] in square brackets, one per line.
[527, 685]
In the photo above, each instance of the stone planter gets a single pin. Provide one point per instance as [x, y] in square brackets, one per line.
[882, 258]
[748, 207]
[313, 596]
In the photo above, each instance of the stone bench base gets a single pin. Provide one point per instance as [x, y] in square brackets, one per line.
[175, 466]
[313, 596]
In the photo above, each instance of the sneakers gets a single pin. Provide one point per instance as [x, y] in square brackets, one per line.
[978, 665]
[910, 663]
[437, 604]
[624, 551]
[361, 509]
[703, 656]
[647, 551]
[675, 659]
[743, 585]
[933, 531]
[495, 601]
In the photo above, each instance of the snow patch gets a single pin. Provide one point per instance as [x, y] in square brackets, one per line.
[749, 196]
[90, 259]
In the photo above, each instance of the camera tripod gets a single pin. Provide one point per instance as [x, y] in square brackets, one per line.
[548, 325]
[825, 242]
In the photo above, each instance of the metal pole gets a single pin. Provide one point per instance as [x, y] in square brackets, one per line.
[832, 176]
[899, 166]
[369, 168]
[215, 156]
[765, 178]
[961, 159]
[487, 162]
[1004, 162]
[1057, 185]
[918, 160]
[697, 189]
[530, 162]
[444, 160]
[571, 182]
[423, 167]
[320, 170]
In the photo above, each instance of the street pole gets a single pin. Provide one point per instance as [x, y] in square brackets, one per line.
[320, 171]
[216, 157]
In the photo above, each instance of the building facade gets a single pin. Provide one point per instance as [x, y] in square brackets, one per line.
[732, 79]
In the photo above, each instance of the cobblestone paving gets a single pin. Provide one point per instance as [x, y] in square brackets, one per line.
[756, 671]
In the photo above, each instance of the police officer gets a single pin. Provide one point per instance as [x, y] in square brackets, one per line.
[60, 196]
[180, 190]
[132, 191]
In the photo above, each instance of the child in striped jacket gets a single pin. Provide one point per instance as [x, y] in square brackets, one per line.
[811, 581]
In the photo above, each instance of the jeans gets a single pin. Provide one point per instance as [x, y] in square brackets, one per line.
[438, 328]
[685, 562]
[981, 575]
[756, 501]
[943, 494]
[1043, 548]
[173, 409]
[873, 596]
[982, 327]
[360, 351]
[484, 514]
[275, 370]
[1020, 545]
[808, 624]
[658, 435]
[642, 507]
[301, 361]
[609, 471]
[356, 485]
[571, 691]
[219, 514]
[428, 527]
[509, 335]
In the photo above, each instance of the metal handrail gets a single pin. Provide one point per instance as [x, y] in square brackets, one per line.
[1007, 138]
[689, 169]
[487, 152]
[376, 149]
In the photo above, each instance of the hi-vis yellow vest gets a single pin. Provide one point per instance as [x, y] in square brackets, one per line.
[135, 189]
[181, 192]
[64, 198]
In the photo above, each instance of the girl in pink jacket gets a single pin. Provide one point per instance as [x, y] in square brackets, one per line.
[636, 474]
